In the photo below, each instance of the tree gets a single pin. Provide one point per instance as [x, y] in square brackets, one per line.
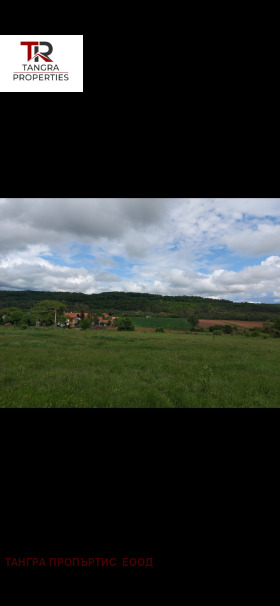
[193, 320]
[273, 328]
[16, 317]
[276, 328]
[28, 319]
[45, 311]
[60, 319]
[125, 324]
[13, 315]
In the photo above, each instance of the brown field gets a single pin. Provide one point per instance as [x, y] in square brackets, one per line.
[241, 323]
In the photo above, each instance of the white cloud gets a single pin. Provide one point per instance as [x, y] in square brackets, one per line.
[163, 244]
[260, 241]
[33, 272]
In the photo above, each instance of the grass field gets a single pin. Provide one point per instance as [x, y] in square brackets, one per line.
[166, 323]
[55, 368]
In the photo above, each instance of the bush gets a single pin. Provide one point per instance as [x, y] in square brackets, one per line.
[24, 326]
[216, 327]
[125, 324]
[253, 333]
[85, 323]
[159, 329]
[268, 327]
[227, 329]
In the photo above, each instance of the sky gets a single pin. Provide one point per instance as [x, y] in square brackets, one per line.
[222, 248]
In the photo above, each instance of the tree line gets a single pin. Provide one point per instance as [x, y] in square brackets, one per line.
[51, 312]
[137, 304]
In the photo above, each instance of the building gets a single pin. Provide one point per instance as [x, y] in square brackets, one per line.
[73, 318]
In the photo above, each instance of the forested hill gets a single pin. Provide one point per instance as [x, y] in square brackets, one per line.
[136, 303]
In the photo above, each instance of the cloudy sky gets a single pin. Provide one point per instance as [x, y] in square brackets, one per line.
[225, 248]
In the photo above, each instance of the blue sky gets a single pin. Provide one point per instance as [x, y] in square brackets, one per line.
[225, 248]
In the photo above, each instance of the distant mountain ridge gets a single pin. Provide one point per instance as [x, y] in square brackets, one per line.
[138, 303]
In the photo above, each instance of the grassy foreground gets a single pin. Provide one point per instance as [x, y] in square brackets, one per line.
[54, 368]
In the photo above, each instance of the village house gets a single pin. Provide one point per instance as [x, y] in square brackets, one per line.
[105, 319]
[72, 319]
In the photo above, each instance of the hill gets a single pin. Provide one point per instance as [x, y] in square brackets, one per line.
[135, 304]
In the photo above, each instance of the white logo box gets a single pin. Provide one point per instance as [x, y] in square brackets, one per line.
[67, 55]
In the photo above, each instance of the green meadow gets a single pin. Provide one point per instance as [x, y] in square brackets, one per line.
[56, 368]
[165, 323]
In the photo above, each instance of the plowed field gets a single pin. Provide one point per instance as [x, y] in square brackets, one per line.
[241, 323]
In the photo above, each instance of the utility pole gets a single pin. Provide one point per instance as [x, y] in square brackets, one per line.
[55, 317]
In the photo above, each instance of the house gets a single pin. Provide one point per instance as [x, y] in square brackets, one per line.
[104, 320]
[73, 318]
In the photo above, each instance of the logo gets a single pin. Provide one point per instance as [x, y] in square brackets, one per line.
[38, 54]
[39, 64]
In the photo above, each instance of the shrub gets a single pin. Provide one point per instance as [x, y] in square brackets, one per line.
[15, 316]
[85, 323]
[159, 329]
[227, 329]
[125, 324]
[268, 327]
[24, 326]
[253, 333]
[215, 327]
